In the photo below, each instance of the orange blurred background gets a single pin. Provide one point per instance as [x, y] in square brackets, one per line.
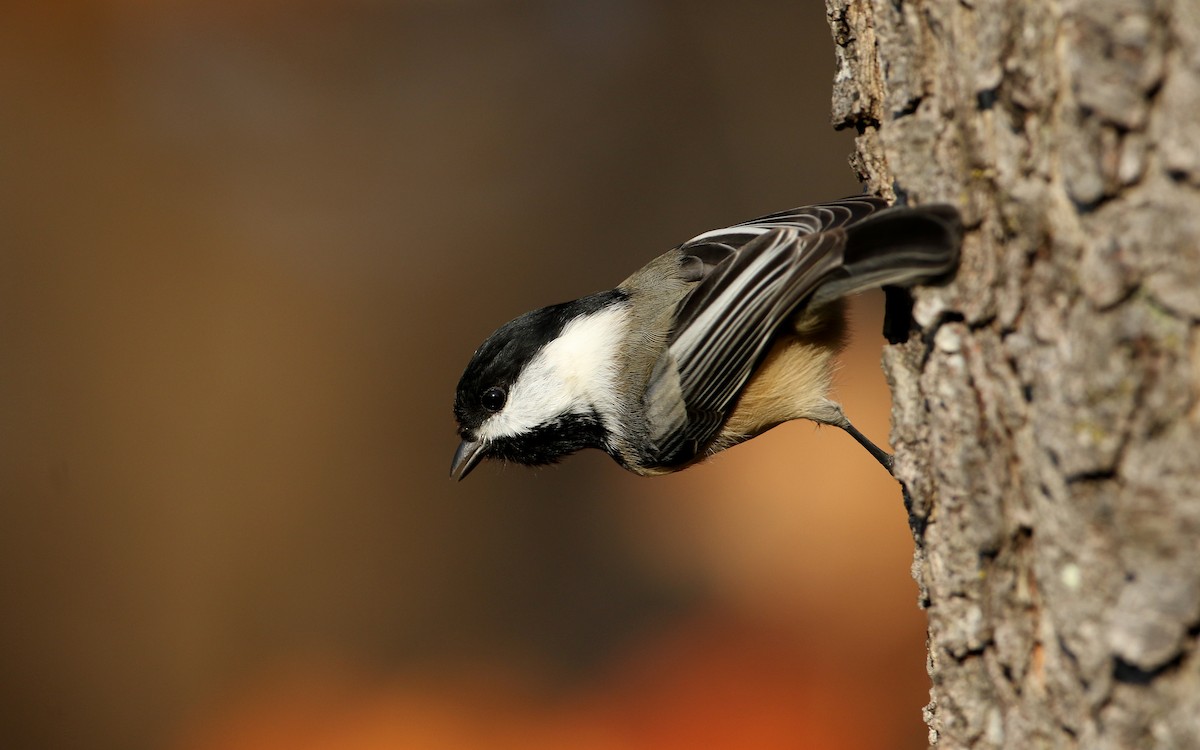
[247, 249]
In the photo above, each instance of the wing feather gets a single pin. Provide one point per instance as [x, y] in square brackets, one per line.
[726, 325]
[753, 276]
[805, 220]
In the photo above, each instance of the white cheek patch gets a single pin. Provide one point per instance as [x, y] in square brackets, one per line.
[573, 373]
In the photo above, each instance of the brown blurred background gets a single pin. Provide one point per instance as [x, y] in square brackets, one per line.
[247, 247]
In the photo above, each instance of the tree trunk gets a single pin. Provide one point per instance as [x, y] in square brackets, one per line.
[1047, 406]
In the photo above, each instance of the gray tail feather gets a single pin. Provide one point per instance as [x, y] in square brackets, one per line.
[896, 247]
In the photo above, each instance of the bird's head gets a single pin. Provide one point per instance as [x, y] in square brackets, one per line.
[542, 386]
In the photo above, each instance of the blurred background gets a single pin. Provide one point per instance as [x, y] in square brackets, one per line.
[247, 248]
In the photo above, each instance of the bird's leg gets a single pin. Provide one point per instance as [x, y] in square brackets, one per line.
[880, 454]
[839, 420]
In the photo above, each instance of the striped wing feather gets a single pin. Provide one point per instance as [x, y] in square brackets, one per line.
[754, 276]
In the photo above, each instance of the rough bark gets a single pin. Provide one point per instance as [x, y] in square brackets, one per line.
[1047, 408]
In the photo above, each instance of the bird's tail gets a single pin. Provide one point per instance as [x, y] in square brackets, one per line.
[896, 247]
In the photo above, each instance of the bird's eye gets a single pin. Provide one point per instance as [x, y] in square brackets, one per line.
[493, 399]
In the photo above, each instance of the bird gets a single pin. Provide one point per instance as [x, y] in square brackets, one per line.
[708, 345]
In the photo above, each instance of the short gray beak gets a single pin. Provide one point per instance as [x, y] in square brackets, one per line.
[467, 456]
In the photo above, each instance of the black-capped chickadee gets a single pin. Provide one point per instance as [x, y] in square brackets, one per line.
[719, 340]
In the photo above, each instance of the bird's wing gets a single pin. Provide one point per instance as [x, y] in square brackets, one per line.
[753, 276]
[716, 246]
[722, 329]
